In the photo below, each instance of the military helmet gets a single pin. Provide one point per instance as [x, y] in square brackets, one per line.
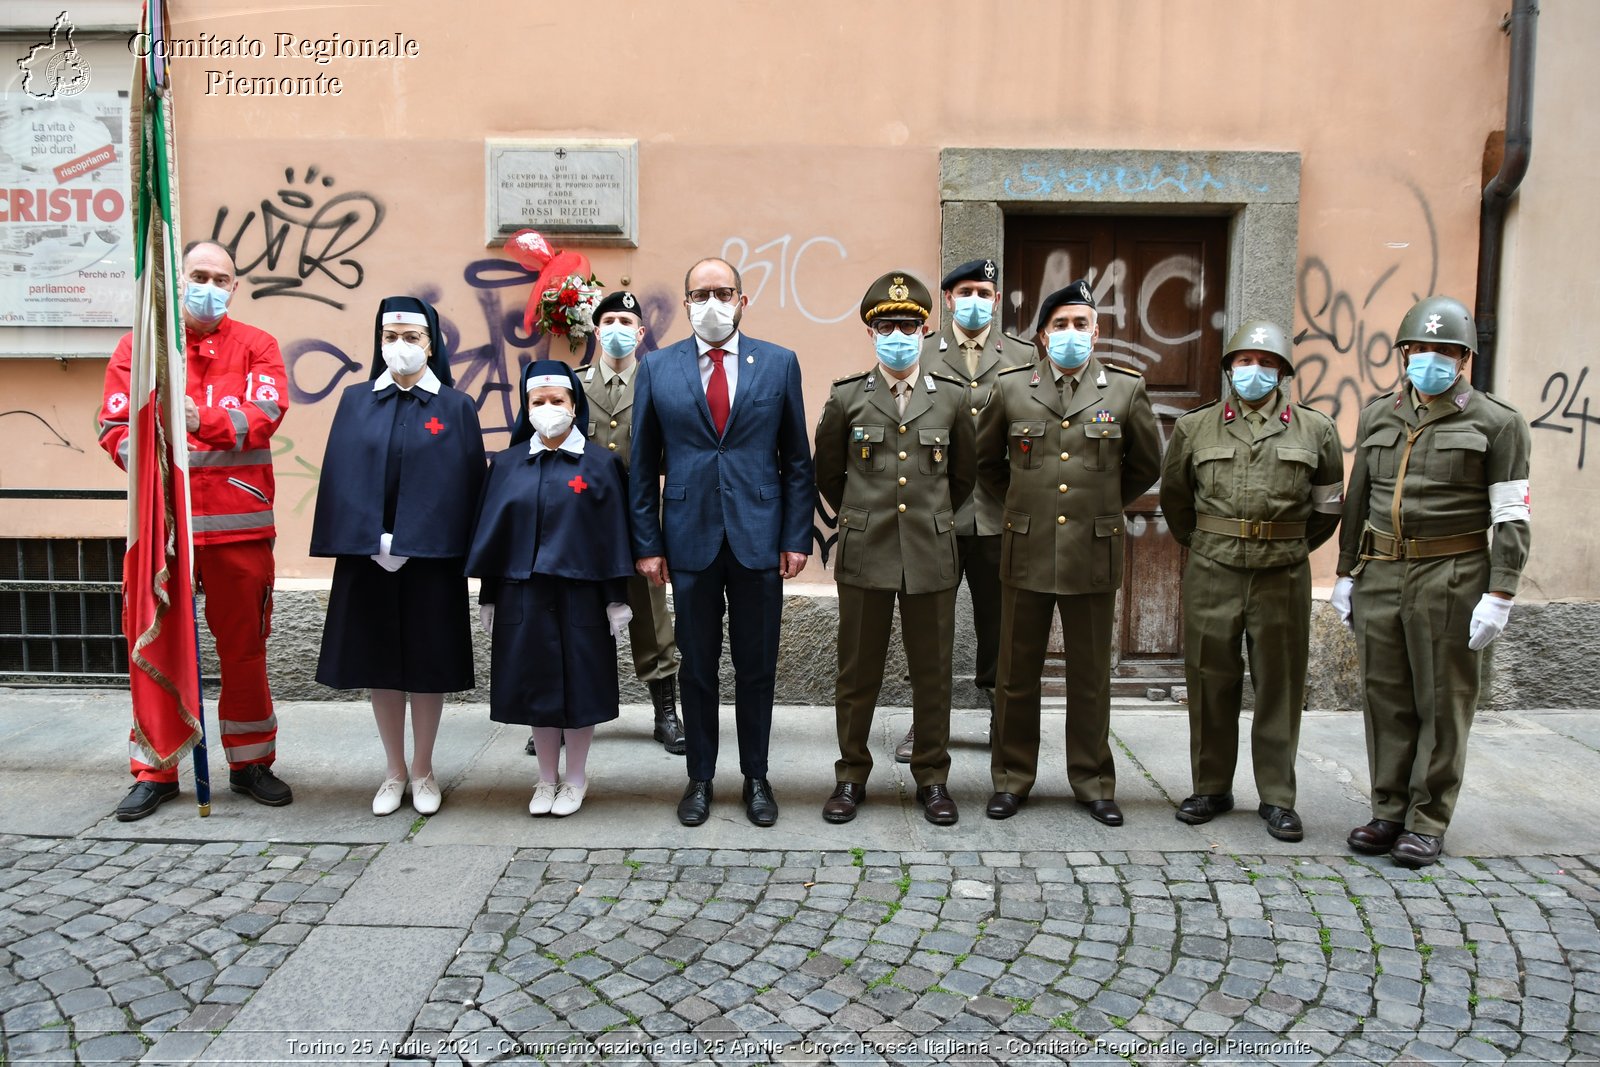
[1439, 318]
[1259, 335]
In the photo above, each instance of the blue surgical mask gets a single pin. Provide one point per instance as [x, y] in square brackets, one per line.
[1069, 349]
[973, 312]
[1253, 383]
[898, 351]
[205, 302]
[1431, 373]
[618, 340]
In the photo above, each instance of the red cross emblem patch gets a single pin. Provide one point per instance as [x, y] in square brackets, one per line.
[578, 484]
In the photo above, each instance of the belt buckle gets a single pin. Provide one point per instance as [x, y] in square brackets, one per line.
[1255, 530]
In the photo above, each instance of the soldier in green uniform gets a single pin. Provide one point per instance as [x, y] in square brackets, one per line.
[895, 458]
[1252, 483]
[608, 385]
[1434, 541]
[973, 348]
[1067, 443]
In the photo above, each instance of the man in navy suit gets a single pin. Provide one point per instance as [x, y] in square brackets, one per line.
[720, 416]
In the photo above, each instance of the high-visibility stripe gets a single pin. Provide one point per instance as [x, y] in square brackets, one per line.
[241, 427]
[260, 726]
[246, 521]
[245, 753]
[210, 458]
[272, 410]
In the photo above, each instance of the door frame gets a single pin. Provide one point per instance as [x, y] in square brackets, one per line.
[1258, 191]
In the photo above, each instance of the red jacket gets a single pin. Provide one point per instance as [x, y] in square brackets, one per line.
[236, 379]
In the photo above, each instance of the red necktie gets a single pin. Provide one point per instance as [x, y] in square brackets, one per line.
[717, 391]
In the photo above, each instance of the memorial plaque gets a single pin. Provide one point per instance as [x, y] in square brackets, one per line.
[582, 189]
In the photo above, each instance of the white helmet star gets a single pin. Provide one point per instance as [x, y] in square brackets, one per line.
[1432, 325]
[1260, 336]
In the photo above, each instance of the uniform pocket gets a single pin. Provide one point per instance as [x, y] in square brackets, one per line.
[1291, 486]
[852, 530]
[1381, 448]
[1107, 548]
[1103, 449]
[1013, 548]
[944, 534]
[934, 450]
[866, 448]
[1457, 456]
[1027, 445]
[1213, 468]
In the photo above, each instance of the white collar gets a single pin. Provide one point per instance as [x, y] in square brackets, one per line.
[730, 346]
[573, 443]
[428, 383]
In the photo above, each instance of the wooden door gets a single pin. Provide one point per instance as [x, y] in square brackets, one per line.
[1159, 286]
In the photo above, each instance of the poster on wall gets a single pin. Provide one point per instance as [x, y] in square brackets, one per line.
[66, 246]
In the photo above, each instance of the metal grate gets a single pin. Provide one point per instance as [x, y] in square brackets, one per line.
[61, 611]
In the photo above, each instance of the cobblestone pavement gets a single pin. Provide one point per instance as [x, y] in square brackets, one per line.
[656, 955]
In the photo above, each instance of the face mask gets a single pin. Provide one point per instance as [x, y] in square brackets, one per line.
[205, 302]
[1068, 349]
[618, 341]
[973, 312]
[1431, 373]
[713, 321]
[897, 351]
[1253, 383]
[551, 422]
[403, 357]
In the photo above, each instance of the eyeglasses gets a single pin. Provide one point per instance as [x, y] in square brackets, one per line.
[724, 295]
[885, 327]
[412, 337]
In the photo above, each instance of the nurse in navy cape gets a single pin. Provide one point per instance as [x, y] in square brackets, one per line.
[399, 489]
[552, 549]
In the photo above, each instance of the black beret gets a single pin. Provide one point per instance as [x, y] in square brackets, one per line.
[1076, 293]
[621, 300]
[973, 270]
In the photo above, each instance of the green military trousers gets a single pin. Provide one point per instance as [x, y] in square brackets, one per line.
[928, 628]
[1086, 621]
[1269, 609]
[655, 654]
[1412, 620]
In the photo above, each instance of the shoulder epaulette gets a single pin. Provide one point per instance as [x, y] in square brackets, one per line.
[1120, 369]
[857, 376]
[1309, 410]
[1020, 367]
[1014, 337]
[944, 377]
[1503, 403]
[1203, 407]
[1380, 397]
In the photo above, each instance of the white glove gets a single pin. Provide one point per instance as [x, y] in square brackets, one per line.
[620, 615]
[384, 559]
[1341, 599]
[1489, 620]
[486, 618]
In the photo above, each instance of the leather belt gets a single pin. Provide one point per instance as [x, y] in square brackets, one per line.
[1251, 529]
[1379, 545]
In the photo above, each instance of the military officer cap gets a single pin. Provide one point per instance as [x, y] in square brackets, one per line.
[1439, 319]
[1259, 335]
[898, 295]
[1076, 293]
[621, 300]
[973, 270]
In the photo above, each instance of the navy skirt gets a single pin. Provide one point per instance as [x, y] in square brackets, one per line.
[554, 661]
[410, 630]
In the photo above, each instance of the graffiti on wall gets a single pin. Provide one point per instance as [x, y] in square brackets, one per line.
[1037, 180]
[785, 264]
[298, 244]
[1568, 402]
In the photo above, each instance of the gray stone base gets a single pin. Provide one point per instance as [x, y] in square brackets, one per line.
[1545, 659]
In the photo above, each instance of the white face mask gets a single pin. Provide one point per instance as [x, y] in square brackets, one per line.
[403, 357]
[551, 422]
[713, 321]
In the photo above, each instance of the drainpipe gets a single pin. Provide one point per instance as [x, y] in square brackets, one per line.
[1523, 22]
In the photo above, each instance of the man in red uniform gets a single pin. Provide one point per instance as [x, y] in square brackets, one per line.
[237, 393]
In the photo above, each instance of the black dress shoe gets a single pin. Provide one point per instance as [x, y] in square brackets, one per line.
[938, 806]
[842, 802]
[1375, 838]
[759, 804]
[1282, 823]
[1203, 807]
[256, 781]
[144, 798]
[695, 807]
[1414, 850]
[1104, 811]
[1004, 805]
